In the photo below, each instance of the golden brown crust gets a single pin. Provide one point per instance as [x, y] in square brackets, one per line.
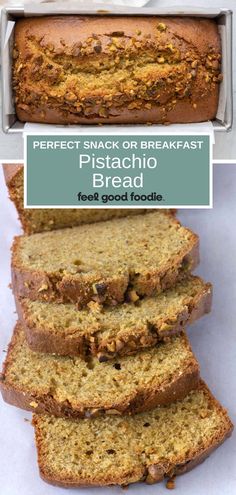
[144, 399]
[170, 471]
[177, 79]
[161, 472]
[39, 285]
[151, 473]
[45, 340]
[156, 474]
[13, 174]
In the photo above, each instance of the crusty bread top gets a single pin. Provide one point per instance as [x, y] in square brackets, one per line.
[73, 68]
[60, 31]
[118, 450]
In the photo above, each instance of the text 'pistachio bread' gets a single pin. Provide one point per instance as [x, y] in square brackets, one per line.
[166, 441]
[109, 331]
[44, 219]
[76, 388]
[103, 261]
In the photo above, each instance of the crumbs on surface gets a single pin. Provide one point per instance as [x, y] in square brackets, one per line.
[170, 484]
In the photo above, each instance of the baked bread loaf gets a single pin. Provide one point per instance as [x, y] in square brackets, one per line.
[147, 447]
[44, 219]
[116, 69]
[76, 388]
[107, 332]
[104, 261]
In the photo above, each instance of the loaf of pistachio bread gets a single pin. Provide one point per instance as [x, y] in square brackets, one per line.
[77, 69]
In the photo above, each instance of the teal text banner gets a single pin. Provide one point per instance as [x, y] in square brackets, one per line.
[118, 170]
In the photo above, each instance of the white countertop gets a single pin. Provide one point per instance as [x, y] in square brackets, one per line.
[213, 339]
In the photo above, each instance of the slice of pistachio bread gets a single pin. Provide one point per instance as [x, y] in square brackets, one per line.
[104, 261]
[76, 388]
[164, 442]
[110, 331]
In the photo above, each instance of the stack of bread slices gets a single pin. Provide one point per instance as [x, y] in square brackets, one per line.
[100, 353]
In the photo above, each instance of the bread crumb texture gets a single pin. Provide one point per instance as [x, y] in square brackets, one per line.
[106, 331]
[103, 261]
[118, 450]
[75, 386]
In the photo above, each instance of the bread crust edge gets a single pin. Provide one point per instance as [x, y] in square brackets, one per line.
[154, 472]
[43, 340]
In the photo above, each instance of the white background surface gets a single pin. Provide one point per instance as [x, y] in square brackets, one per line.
[213, 339]
[11, 146]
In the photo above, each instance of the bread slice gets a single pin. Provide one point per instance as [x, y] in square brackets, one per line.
[44, 219]
[103, 261]
[110, 331]
[76, 388]
[166, 441]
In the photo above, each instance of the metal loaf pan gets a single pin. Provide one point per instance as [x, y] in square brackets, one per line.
[224, 119]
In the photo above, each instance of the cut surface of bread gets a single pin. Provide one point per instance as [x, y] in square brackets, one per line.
[109, 331]
[103, 261]
[75, 387]
[166, 441]
[44, 219]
